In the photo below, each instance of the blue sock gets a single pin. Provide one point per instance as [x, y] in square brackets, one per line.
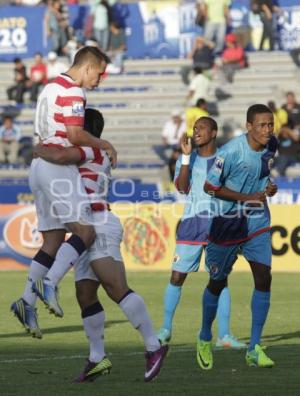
[223, 313]
[260, 305]
[171, 300]
[209, 310]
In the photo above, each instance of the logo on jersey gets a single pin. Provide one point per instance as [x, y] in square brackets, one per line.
[176, 259]
[78, 109]
[213, 269]
[219, 162]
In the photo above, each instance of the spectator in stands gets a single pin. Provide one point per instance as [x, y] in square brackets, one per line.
[216, 19]
[9, 141]
[192, 114]
[117, 46]
[199, 87]
[295, 55]
[57, 25]
[288, 149]
[232, 59]
[16, 91]
[38, 76]
[54, 66]
[101, 13]
[239, 16]
[171, 134]
[280, 117]
[202, 55]
[293, 109]
[266, 10]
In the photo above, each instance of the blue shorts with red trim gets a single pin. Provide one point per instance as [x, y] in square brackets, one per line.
[187, 257]
[220, 258]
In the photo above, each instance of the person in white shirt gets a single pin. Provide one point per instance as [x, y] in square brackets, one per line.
[54, 66]
[171, 134]
[199, 87]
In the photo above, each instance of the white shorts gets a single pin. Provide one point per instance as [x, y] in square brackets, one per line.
[107, 244]
[60, 197]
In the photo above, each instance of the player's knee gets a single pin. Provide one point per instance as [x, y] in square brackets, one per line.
[216, 286]
[262, 277]
[115, 291]
[86, 293]
[177, 278]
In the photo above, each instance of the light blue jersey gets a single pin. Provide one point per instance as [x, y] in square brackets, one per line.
[240, 168]
[194, 222]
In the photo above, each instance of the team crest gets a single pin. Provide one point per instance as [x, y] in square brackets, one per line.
[213, 269]
[78, 109]
[176, 259]
[219, 163]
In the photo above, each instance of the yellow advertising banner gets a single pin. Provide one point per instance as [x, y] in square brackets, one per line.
[149, 236]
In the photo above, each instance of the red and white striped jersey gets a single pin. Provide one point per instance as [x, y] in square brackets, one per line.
[60, 104]
[96, 176]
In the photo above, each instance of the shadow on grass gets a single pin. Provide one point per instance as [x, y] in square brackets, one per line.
[277, 337]
[62, 329]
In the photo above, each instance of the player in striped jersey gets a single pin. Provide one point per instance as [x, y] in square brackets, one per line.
[103, 263]
[60, 198]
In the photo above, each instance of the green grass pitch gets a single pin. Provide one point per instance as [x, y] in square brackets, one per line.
[48, 366]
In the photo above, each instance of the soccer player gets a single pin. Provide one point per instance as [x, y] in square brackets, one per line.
[191, 238]
[103, 263]
[60, 198]
[239, 182]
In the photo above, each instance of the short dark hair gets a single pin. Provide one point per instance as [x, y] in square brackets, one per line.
[198, 70]
[93, 122]
[211, 122]
[257, 109]
[200, 102]
[17, 60]
[89, 54]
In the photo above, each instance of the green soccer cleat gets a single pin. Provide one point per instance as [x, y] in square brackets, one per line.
[204, 354]
[93, 370]
[49, 295]
[164, 335]
[258, 358]
[229, 341]
[27, 316]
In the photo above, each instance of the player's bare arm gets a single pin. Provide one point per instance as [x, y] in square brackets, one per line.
[59, 156]
[231, 195]
[183, 179]
[79, 137]
[271, 189]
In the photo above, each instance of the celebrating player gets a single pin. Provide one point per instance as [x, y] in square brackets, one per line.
[190, 175]
[103, 263]
[239, 181]
[60, 198]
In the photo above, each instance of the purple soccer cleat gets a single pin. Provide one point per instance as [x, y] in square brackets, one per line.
[154, 362]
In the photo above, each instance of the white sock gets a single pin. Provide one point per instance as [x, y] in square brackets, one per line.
[39, 266]
[65, 258]
[135, 310]
[94, 330]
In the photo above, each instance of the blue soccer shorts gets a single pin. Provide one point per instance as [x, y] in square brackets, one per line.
[220, 258]
[187, 257]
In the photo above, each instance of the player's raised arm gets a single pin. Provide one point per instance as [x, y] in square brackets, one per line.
[182, 181]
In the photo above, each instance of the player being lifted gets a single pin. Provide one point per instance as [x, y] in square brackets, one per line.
[191, 172]
[243, 222]
[103, 263]
[60, 198]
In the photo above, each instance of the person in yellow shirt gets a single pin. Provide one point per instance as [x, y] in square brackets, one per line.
[193, 113]
[280, 117]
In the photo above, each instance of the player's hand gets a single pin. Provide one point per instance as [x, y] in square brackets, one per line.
[113, 156]
[257, 199]
[37, 150]
[271, 189]
[186, 144]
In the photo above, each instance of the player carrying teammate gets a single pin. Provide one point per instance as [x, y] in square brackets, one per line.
[103, 263]
[239, 181]
[60, 198]
[191, 171]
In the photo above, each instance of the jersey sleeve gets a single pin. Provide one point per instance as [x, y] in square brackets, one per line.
[220, 169]
[72, 106]
[90, 154]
